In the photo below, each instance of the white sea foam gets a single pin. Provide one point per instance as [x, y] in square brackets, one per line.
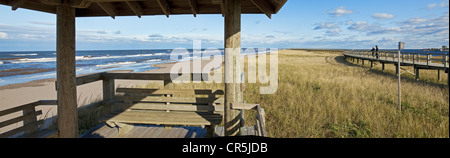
[23, 54]
[153, 60]
[31, 60]
[117, 63]
[87, 57]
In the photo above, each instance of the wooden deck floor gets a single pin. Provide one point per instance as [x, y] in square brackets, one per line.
[156, 131]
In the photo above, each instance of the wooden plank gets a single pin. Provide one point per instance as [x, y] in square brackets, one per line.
[137, 9]
[157, 132]
[108, 8]
[244, 106]
[196, 100]
[164, 7]
[15, 4]
[18, 108]
[174, 107]
[222, 6]
[173, 92]
[193, 5]
[65, 65]
[265, 7]
[21, 129]
[48, 102]
[85, 79]
[20, 118]
[167, 118]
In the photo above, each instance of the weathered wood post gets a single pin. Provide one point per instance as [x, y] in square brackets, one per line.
[232, 49]
[65, 68]
[382, 67]
[439, 75]
[108, 94]
[417, 73]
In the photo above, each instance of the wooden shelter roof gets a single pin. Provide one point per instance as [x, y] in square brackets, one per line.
[113, 8]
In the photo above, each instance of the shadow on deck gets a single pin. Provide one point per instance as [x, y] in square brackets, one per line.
[158, 131]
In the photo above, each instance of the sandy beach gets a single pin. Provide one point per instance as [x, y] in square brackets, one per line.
[19, 94]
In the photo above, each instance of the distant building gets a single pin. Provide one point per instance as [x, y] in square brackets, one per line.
[444, 48]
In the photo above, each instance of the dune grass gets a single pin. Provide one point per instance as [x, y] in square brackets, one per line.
[322, 95]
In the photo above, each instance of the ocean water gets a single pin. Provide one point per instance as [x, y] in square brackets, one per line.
[26, 66]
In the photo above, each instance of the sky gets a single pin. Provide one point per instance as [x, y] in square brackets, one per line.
[342, 24]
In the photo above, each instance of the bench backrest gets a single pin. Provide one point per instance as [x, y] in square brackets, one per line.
[200, 100]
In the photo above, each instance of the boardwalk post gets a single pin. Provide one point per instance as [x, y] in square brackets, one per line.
[417, 73]
[232, 49]
[382, 67]
[401, 45]
[439, 75]
[65, 68]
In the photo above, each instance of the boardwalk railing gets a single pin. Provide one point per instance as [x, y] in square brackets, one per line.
[435, 61]
[428, 59]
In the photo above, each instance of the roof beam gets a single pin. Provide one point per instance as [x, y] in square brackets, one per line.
[265, 7]
[108, 8]
[15, 4]
[164, 7]
[137, 9]
[222, 6]
[194, 8]
[71, 3]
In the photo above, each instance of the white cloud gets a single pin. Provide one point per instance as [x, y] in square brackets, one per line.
[432, 6]
[382, 16]
[340, 12]
[3, 35]
[325, 25]
[359, 26]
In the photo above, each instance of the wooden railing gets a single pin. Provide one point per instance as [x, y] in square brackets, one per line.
[27, 117]
[30, 114]
[260, 125]
[414, 58]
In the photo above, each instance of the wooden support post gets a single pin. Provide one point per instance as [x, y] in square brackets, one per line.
[65, 68]
[108, 94]
[371, 64]
[30, 120]
[232, 49]
[382, 67]
[396, 69]
[439, 75]
[417, 73]
[362, 61]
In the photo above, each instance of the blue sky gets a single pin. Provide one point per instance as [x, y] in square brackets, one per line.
[350, 24]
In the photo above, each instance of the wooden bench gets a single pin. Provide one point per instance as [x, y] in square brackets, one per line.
[26, 118]
[167, 107]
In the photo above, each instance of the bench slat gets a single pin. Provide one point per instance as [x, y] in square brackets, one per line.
[177, 107]
[164, 99]
[166, 118]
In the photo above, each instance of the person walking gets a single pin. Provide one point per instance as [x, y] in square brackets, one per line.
[376, 49]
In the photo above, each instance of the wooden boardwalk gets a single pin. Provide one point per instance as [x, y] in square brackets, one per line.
[157, 131]
[434, 61]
